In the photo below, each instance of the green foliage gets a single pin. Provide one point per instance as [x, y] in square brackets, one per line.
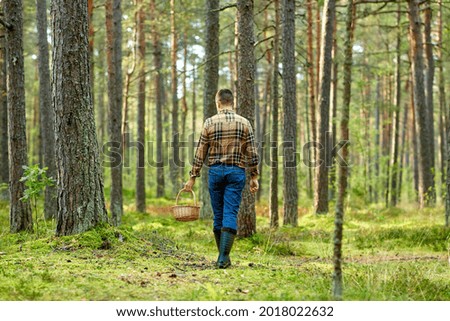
[36, 181]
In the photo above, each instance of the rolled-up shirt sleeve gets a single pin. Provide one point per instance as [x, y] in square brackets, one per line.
[200, 153]
[251, 152]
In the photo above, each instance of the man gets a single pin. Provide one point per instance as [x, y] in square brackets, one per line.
[227, 145]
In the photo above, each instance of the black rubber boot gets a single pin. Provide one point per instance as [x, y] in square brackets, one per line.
[226, 243]
[217, 237]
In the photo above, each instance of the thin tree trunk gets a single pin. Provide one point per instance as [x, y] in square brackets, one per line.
[91, 43]
[47, 118]
[115, 92]
[81, 203]
[140, 167]
[175, 164]
[377, 139]
[318, 49]
[126, 132]
[246, 103]
[4, 154]
[157, 60]
[333, 125]
[396, 123]
[321, 188]
[426, 154]
[35, 131]
[194, 114]
[290, 188]
[442, 98]
[100, 107]
[343, 168]
[311, 78]
[402, 152]
[429, 83]
[275, 106]
[211, 83]
[20, 212]
[184, 105]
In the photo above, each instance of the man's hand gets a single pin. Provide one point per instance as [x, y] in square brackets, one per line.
[190, 183]
[254, 185]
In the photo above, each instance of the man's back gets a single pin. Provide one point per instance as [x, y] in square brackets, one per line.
[227, 138]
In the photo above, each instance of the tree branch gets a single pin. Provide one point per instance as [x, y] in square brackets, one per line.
[232, 5]
[374, 1]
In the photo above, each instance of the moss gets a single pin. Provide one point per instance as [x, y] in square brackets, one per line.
[153, 257]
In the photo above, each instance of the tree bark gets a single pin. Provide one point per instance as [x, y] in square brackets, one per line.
[47, 118]
[210, 87]
[184, 105]
[114, 57]
[275, 118]
[20, 212]
[429, 83]
[426, 155]
[81, 203]
[140, 167]
[157, 60]
[333, 122]
[311, 78]
[396, 122]
[175, 164]
[442, 98]
[343, 168]
[321, 188]
[4, 154]
[290, 188]
[246, 103]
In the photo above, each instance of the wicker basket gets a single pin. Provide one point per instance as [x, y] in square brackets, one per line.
[186, 213]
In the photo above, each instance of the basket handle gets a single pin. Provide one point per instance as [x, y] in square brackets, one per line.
[183, 190]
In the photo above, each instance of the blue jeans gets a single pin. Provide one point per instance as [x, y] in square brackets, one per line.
[226, 183]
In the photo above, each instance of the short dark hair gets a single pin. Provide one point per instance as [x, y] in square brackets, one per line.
[225, 96]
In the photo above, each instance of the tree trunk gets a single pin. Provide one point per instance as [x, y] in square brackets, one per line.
[442, 98]
[402, 152]
[343, 168]
[333, 124]
[311, 78]
[184, 105]
[429, 83]
[157, 60]
[91, 44]
[114, 58]
[290, 189]
[47, 118]
[175, 164]
[140, 167]
[396, 122]
[426, 154]
[20, 212]
[100, 107]
[246, 103]
[275, 106]
[4, 154]
[81, 203]
[210, 87]
[321, 188]
[318, 49]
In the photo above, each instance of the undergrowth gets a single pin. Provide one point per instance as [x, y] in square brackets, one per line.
[388, 255]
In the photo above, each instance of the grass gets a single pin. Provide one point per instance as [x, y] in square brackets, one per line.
[396, 254]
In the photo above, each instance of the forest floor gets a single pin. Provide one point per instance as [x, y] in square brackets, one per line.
[389, 254]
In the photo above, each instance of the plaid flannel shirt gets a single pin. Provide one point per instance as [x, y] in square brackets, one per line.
[226, 138]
